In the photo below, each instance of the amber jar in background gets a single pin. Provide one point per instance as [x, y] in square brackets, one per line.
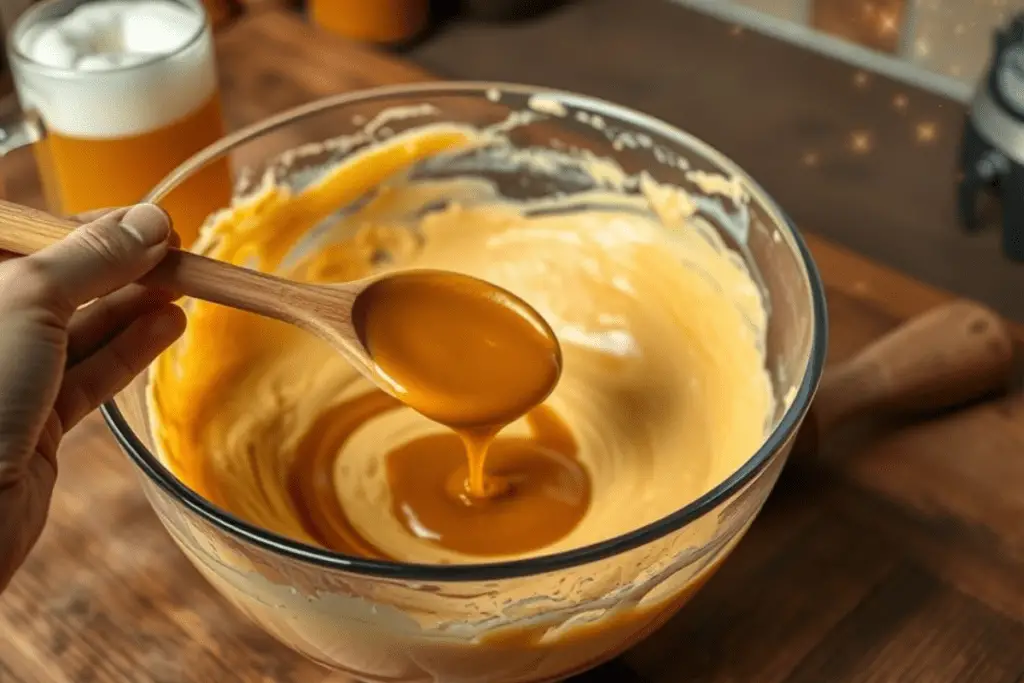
[384, 22]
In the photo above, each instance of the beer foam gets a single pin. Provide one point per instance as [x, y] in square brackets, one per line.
[116, 68]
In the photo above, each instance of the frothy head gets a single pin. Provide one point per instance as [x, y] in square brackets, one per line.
[108, 35]
[114, 68]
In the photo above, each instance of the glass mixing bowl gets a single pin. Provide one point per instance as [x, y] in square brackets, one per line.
[536, 619]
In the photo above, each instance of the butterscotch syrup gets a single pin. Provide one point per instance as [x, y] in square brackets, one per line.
[459, 350]
[474, 358]
[541, 489]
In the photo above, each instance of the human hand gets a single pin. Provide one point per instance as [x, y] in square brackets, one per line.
[61, 359]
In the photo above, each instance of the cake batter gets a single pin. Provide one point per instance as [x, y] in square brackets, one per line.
[663, 392]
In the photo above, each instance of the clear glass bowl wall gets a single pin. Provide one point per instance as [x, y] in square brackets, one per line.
[550, 616]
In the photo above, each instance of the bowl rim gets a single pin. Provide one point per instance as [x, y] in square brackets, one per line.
[294, 550]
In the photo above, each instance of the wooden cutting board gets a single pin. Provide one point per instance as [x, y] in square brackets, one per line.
[893, 557]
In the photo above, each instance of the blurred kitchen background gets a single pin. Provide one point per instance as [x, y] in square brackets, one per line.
[851, 113]
[942, 45]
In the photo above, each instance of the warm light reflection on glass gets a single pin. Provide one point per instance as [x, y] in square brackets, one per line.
[810, 159]
[874, 24]
[926, 132]
[887, 24]
[948, 38]
[860, 142]
[901, 102]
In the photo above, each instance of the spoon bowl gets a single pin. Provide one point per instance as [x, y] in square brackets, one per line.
[447, 370]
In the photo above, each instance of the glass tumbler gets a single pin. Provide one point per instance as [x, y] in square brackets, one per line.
[103, 137]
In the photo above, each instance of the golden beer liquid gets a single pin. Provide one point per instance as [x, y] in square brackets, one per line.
[80, 173]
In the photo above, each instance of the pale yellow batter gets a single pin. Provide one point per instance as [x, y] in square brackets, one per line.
[662, 331]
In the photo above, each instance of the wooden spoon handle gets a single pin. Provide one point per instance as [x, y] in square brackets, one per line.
[947, 356]
[26, 231]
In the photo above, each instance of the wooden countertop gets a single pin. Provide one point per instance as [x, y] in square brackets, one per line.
[892, 557]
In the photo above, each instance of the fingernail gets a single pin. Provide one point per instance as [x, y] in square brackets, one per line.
[147, 223]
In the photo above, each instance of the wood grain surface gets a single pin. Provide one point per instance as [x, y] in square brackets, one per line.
[896, 554]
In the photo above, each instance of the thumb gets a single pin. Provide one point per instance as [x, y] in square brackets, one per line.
[100, 257]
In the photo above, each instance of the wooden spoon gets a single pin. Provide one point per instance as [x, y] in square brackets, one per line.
[425, 337]
[950, 355]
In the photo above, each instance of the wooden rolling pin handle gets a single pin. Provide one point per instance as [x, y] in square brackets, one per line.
[950, 355]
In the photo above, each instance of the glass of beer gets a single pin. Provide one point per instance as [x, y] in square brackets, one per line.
[115, 94]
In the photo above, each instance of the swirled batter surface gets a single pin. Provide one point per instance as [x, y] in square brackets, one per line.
[663, 391]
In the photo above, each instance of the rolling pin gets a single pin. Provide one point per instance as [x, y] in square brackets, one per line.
[950, 355]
